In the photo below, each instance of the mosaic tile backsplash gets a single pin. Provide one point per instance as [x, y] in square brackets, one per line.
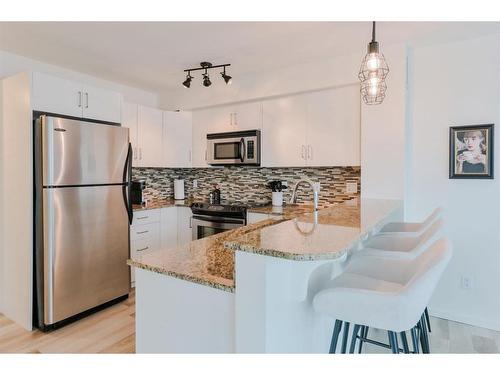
[248, 185]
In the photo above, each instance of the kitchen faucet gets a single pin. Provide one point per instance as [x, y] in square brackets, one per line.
[314, 187]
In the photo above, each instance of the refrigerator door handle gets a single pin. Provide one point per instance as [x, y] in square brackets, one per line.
[127, 184]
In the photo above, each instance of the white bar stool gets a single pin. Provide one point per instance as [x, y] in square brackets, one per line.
[411, 229]
[405, 247]
[383, 293]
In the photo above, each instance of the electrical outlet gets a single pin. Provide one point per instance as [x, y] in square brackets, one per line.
[351, 187]
[466, 282]
[195, 184]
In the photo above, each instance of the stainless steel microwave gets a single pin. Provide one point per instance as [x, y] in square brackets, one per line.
[234, 148]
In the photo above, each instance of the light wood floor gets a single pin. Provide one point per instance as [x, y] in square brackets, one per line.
[448, 336]
[109, 331]
[113, 331]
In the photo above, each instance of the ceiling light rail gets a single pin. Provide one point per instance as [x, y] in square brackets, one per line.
[206, 78]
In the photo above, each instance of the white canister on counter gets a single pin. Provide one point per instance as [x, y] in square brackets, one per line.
[179, 189]
[277, 198]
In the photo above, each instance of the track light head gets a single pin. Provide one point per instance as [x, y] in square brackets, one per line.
[227, 79]
[187, 82]
[206, 80]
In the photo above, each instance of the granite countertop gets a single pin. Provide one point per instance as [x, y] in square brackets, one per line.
[205, 261]
[287, 210]
[326, 234]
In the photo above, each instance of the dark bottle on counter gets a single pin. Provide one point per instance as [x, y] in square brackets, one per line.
[215, 195]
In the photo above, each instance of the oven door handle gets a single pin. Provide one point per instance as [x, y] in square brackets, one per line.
[242, 149]
[218, 220]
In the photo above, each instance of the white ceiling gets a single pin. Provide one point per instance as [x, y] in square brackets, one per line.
[153, 55]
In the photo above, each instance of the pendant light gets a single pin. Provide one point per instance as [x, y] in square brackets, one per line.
[373, 73]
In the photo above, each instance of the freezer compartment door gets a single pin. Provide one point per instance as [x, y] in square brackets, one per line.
[86, 246]
[82, 153]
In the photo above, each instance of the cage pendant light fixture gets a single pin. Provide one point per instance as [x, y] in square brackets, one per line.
[373, 72]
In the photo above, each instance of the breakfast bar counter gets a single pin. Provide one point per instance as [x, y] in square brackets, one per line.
[242, 290]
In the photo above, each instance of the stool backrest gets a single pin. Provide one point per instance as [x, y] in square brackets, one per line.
[436, 214]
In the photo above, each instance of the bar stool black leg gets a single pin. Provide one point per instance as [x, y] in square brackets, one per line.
[404, 341]
[364, 332]
[344, 339]
[424, 338]
[335, 336]
[427, 319]
[393, 341]
[354, 338]
[414, 339]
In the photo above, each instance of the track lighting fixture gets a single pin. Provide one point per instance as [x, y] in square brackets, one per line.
[373, 73]
[187, 82]
[206, 78]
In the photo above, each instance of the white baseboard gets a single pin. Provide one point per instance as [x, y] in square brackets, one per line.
[466, 319]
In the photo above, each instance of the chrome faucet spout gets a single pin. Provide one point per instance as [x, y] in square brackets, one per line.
[315, 188]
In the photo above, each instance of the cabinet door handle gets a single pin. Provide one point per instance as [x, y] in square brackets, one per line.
[309, 152]
[135, 153]
[144, 248]
[303, 153]
[140, 153]
[79, 99]
[205, 154]
[191, 222]
[230, 119]
[86, 100]
[235, 119]
[144, 231]
[143, 217]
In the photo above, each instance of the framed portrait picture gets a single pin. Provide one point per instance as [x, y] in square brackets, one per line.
[471, 151]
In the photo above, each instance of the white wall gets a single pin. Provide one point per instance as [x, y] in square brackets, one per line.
[458, 84]
[11, 64]
[382, 126]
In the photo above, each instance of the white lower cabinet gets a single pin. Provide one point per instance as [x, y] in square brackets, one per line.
[163, 228]
[168, 227]
[144, 234]
[184, 227]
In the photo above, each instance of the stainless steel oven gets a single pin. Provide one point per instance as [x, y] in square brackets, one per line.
[234, 148]
[204, 226]
[209, 219]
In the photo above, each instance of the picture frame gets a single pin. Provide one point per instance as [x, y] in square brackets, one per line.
[472, 152]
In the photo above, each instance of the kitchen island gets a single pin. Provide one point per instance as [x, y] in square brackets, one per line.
[250, 289]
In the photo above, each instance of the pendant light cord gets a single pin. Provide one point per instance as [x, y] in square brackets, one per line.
[373, 32]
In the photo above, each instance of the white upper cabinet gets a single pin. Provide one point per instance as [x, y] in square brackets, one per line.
[333, 127]
[313, 129]
[66, 97]
[130, 120]
[177, 139]
[150, 137]
[247, 116]
[101, 104]
[204, 121]
[284, 130]
[57, 95]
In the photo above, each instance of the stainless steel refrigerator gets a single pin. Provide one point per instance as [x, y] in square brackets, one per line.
[82, 217]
